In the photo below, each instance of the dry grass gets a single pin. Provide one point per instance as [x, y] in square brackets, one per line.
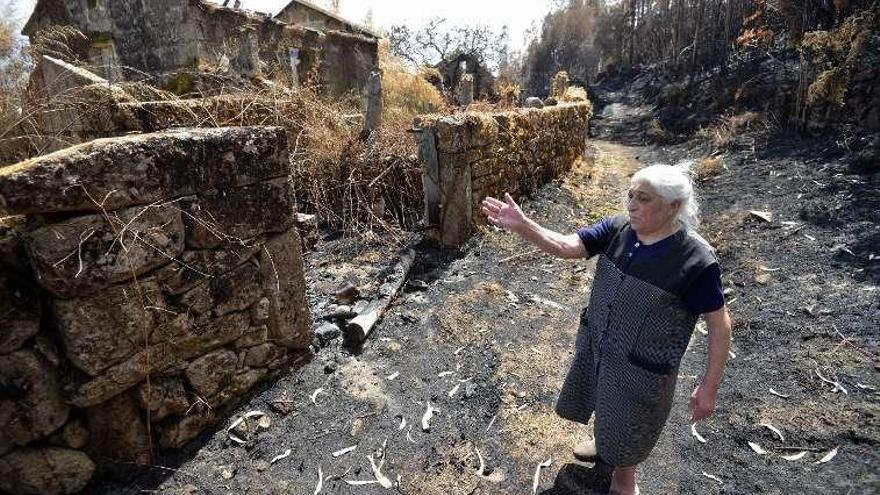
[709, 166]
[724, 133]
[405, 93]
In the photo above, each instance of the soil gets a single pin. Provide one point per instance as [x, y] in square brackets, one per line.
[485, 335]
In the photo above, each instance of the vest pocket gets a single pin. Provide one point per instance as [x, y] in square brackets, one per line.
[654, 349]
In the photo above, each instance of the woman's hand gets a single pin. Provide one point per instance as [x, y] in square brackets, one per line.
[506, 215]
[702, 403]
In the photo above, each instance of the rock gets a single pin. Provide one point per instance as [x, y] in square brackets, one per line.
[140, 169]
[550, 101]
[194, 267]
[260, 355]
[470, 388]
[19, 317]
[240, 213]
[260, 311]
[118, 433]
[160, 357]
[343, 312]
[347, 294]
[73, 435]
[533, 102]
[290, 320]
[255, 336]
[330, 368]
[174, 434]
[163, 397]
[233, 291]
[109, 326]
[45, 471]
[31, 405]
[239, 384]
[84, 254]
[209, 373]
[417, 285]
[327, 332]
[282, 404]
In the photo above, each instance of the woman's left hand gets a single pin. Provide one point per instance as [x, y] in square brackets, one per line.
[702, 403]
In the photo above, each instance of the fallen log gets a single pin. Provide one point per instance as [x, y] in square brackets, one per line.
[358, 329]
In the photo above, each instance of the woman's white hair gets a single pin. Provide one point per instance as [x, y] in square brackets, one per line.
[674, 182]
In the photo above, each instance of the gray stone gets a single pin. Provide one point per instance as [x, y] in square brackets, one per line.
[73, 435]
[347, 294]
[31, 405]
[239, 384]
[178, 432]
[194, 267]
[84, 254]
[143, 168]
[234, 291]
[260, 311]
[255, 336]
[533, 102]
[163, 398]
[211, 372]
[260, 355]
[19, 319]
[45, 471]
[107, 327]
[327, 332]
[466, 90]
[240, 213]
[374, 102]
[290, 320]
[159, 357]
[118, 433]
[307, 226]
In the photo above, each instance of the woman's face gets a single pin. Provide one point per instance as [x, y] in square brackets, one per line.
[648, 211]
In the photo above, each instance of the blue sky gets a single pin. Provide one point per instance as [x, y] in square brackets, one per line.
[517, 16]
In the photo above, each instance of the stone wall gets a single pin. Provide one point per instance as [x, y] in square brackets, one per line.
[472, 155]
[146, 283]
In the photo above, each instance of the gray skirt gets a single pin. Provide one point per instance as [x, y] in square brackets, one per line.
[631, 403]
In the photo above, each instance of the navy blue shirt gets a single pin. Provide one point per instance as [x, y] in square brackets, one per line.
[703, 296]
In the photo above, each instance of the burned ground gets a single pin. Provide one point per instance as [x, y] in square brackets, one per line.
[485, 335]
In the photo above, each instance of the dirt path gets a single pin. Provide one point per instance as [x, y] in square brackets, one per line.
[486, 334]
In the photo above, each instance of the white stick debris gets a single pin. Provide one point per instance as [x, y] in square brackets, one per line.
[361, 482]
[774, 430]
[713, 477]
[314, 395]
[392, 376]
[757, 448]
[828, 456]
[795, 457]
[697, 435]
[377, 472]
[445, 373]
[283, 455]
[320, 485]
[777, 394]
[402, 423]
[344, 451]
[837, 385]
[481, 471]
[491, 422]
[409, 435]
[537, 479]
[426, 418]
[454, 390]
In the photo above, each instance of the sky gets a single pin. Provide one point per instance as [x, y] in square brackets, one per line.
[517, 16]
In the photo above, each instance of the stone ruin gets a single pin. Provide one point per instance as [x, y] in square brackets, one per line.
[147, 282]
[473, 155]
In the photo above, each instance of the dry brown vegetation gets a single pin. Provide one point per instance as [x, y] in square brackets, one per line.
[727, 129]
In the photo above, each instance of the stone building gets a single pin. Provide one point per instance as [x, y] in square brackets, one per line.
[131, 39]
[310, 15]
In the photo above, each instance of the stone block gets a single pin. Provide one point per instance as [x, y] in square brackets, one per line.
[281, 265]
[194, 267]
[31, 406]
[211, 372]
[118, 433]
[256, 336]
[177, 432]
[45, 471]
[143, 168]
[236, 290]
[261, 355]
[239, 384]
[84, 254]
[240, 214]
[107, 327]
[159, 357]
[73, 435]
[19, 317]
[163, 397]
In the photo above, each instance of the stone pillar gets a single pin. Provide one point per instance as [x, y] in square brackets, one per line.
[374, 103]
[466, 90]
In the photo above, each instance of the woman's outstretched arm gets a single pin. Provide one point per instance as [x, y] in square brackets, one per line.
[508, 215]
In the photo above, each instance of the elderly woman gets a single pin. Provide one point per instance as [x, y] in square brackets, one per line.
[655, 276]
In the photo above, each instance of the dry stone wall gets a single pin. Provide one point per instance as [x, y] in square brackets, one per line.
[146, 282]
[472, 155]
